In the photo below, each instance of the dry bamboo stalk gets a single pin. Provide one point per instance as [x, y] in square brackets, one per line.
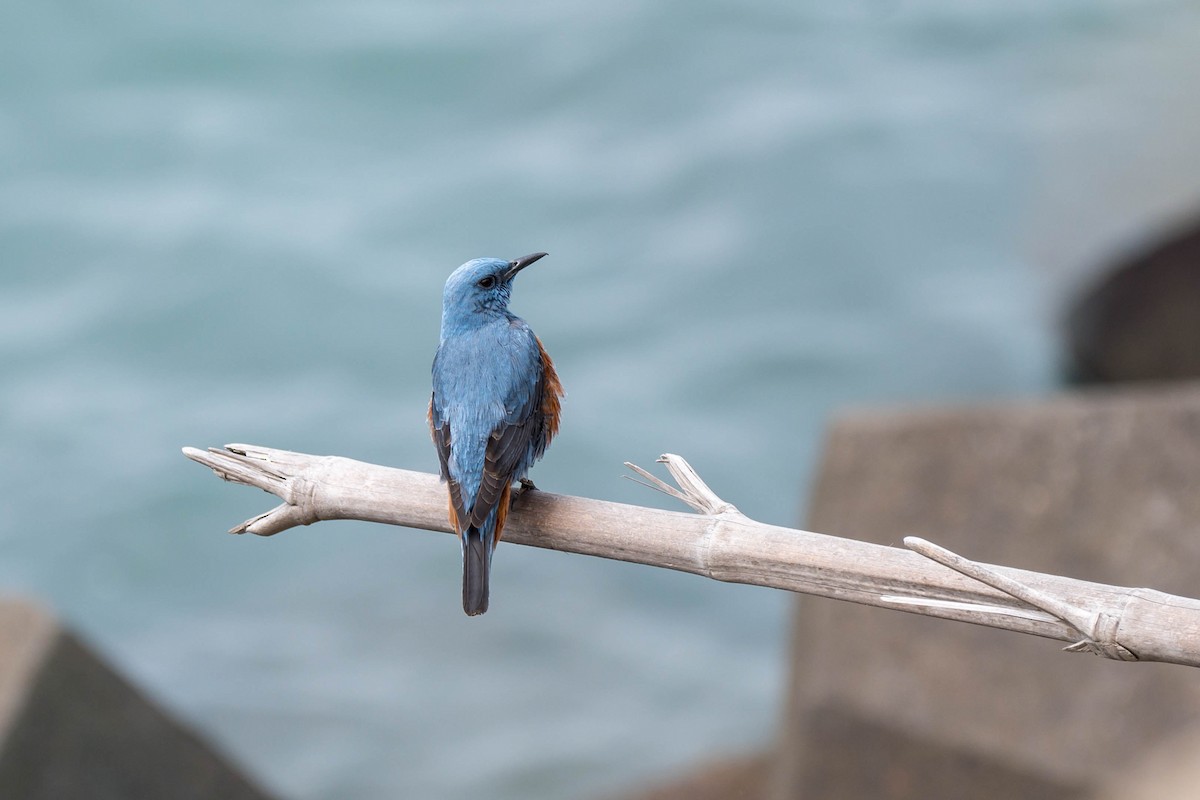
[722, 543]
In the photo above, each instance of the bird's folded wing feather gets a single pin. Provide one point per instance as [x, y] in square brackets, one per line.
[508, 449]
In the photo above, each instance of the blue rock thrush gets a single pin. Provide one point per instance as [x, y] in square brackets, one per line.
[494, 409]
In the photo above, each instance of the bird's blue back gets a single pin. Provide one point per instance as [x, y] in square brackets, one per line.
[483, 377]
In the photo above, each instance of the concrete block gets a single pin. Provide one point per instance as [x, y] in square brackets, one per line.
[1141, 320]
[723, 778]
[72, 729]
[1168, 771]
[883, 704]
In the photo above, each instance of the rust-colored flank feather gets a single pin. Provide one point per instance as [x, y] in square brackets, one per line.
[502, 511]
[551, 395]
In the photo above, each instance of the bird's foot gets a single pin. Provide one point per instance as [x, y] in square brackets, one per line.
[525, 487]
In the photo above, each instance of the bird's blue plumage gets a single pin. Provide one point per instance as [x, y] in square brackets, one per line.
[493, 411]
[482, 379]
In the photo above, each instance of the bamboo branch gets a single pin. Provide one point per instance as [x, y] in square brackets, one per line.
[721, 543]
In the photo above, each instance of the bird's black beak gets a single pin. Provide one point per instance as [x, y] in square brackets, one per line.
[521, 263]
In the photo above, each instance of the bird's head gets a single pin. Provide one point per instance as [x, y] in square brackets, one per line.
[478, 291]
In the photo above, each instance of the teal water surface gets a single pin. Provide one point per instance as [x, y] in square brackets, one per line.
[228, 222]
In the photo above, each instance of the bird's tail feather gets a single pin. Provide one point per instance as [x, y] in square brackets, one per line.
[477, 563]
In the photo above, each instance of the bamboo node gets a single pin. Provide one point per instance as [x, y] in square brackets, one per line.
[1099, 629]
[1103, 640]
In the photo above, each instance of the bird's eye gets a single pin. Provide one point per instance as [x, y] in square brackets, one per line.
[487, 282]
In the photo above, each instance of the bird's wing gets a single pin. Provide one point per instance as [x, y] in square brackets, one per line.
[440, 430]
[507, 450]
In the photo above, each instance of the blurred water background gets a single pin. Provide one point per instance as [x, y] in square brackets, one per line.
[226, 222]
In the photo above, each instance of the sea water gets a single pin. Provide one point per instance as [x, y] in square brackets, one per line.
[230, 222]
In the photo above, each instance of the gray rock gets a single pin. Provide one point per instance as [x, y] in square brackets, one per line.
[887, 705]
[71, 728]
[725, 778]
[1142, 320]
[1170, 770]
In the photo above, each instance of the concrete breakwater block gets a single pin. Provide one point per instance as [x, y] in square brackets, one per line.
[1141, 320]
[70, 727]
[887, 705]
[1169, 770]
